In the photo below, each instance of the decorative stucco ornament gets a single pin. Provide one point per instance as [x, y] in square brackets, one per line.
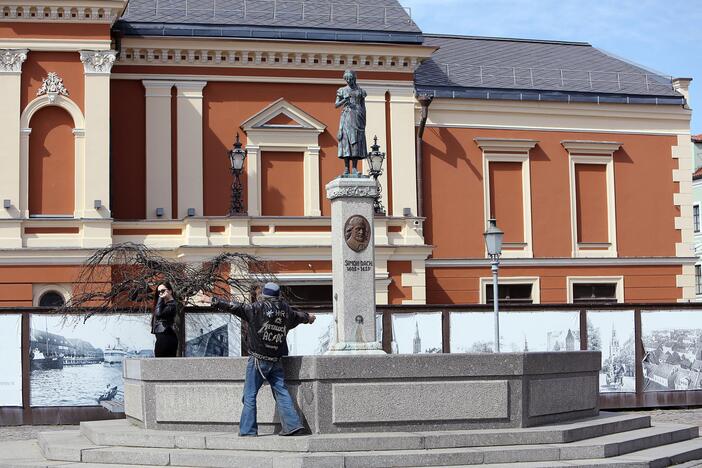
[98, 61]
[52, 86]
[11, 59]
[355, 191]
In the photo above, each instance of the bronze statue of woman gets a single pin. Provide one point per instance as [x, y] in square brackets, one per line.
[352, 125]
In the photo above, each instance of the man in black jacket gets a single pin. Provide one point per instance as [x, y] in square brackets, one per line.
[269, 321]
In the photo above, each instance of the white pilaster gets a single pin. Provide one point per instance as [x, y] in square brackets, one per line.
[375, 126]
[311, 175]
[96, 167]
[404, 173]
[253, 178]
[189, 138]
[158, 148]
[10, 81]
[24, 172]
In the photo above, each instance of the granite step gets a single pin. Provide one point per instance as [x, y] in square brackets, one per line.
[604, 447]
[122, 433]
[74, 447]
[685, 454]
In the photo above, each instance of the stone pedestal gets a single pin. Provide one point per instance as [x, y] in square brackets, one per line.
[353, 265]
[391, 392]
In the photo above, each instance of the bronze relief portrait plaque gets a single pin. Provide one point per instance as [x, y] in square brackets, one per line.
[357, 233]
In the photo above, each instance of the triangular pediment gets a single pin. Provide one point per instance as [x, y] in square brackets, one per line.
[281, 114]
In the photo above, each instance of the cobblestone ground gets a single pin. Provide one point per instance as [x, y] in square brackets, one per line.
[28, 432]
[682, 416]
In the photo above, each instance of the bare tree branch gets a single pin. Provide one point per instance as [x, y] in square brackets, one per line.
[124, 276]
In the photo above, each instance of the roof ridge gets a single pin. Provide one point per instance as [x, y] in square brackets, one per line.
[508, 39]
[649, 70]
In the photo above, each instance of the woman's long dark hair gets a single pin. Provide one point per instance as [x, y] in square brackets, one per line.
[168, 286]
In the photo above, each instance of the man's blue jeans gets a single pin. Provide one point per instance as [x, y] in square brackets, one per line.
[273, 372]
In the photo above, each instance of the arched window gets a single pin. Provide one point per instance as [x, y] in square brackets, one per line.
[51, 299]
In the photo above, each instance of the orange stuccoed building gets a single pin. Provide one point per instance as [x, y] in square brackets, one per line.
[116, 120]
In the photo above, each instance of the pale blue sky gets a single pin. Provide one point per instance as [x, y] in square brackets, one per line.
[662, 35]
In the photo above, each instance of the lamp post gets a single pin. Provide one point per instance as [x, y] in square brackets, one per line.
[493, 242]
[236, 161]
[375, 161]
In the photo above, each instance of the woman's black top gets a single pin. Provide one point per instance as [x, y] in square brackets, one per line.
[164, 316]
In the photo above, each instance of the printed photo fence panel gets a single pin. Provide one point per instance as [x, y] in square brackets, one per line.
[539, 331]
[612, 333]
[315, 339]
[212, 335]
[473, 332]
[672, 342]
[416, 333]
[73, 363]
[11, 360]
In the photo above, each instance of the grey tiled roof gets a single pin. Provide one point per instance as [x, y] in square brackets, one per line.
[371, 20]
[492, 68]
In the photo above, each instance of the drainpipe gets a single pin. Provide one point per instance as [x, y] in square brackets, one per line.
[424, 101]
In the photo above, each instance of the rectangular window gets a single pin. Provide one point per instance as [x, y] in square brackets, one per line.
[307, 295]
[592, 197]
[507, 192]
[506, 200]
[591, 203]
[698, 279]
[510, 293]
[696, 217]
[594, 292]
[282, 183]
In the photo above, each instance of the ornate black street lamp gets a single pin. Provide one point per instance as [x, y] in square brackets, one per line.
[375, 161]
[493, 243]
[236, 160]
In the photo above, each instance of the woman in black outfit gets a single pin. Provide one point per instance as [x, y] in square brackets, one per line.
[162, 320]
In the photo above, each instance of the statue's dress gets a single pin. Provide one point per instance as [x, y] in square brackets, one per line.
[352, 125]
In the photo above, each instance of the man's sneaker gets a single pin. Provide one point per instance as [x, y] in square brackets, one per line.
[298, 431]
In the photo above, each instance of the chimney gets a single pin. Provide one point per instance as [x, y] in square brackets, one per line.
[682, 85]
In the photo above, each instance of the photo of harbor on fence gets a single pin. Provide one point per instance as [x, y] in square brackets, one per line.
[73, 363]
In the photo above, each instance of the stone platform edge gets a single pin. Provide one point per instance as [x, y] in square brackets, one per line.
[371, 393]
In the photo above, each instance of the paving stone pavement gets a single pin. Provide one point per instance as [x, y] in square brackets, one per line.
[8, 433]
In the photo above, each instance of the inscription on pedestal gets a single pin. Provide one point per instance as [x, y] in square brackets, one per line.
[358, 265]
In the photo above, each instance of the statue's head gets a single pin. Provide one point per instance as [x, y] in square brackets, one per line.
[350, 77]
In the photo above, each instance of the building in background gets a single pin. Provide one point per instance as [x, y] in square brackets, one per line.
[697, 150]
[696, 203]
[116, 120]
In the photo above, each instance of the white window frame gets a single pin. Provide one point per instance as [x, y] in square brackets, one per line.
[533, 280]
[38, 290]
[573, 280]
[510, 150]
[599, 153]
[302, 136]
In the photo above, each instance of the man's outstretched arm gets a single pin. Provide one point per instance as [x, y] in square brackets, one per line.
[237, 308]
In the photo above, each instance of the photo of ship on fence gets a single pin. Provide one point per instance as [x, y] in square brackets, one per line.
[73, 363]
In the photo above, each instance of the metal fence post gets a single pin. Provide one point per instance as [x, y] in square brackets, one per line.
[638, 354]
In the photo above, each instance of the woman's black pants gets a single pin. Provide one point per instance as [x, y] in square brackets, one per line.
[166, 344]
